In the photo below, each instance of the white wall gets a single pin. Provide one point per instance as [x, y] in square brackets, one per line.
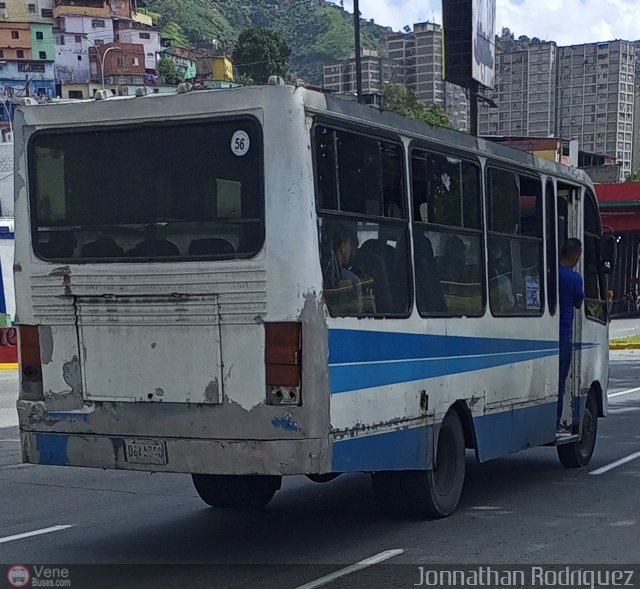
[6, 221]
[6, 262]
[6, 179]
[151, 46]
[72, 58]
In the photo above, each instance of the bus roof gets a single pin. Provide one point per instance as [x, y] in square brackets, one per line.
[124, 109]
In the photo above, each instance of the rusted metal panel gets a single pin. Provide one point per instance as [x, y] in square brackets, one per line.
[150, 348]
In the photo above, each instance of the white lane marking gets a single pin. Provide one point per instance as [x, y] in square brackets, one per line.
[12, 440]
[616, 464]
[34, 533]
[354, 568]
[627, 392]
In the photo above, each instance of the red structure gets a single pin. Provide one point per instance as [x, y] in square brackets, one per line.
[620, 212]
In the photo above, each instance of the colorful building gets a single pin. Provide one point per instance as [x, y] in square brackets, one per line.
[186, 61]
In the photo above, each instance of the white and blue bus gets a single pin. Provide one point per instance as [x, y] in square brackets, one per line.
[260, 282]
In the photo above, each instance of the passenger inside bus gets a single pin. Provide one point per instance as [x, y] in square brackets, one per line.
[370, 263]
[429, 291]
[210, 246]
[153, 245]
[499, 282]
[343, 289]
[452, 265]
[103, 247]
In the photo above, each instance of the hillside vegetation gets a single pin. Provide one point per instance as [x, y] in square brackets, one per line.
[316, 33]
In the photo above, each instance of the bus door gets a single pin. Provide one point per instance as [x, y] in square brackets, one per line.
[569, 226]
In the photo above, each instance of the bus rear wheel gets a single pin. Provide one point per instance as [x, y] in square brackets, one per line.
[578, 454]
[431, 493]
[236, 491]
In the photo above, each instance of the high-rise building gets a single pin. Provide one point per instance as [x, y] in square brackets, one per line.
[415, 60]
[583, 92]
[340, 76]
[421, 53]
[596, 98]
[525, 94]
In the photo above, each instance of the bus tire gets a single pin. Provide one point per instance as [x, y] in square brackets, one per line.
[578, 454]
[431, 493]
[236, 491]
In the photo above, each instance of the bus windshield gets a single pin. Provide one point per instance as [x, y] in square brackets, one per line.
[148, 192]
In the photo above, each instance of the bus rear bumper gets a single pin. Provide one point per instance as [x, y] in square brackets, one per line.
[178, 455]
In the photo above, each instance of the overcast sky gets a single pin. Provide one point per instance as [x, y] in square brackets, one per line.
[565, 21]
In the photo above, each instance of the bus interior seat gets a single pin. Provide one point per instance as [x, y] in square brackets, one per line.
[103, 247]
[61, 244]
[154, 247]
[210, 246]
[429, 290]
[371, 263]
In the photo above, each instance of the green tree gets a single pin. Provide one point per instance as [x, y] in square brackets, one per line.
[634, 176]
[169, 72]
[404, 101]
[261, 53]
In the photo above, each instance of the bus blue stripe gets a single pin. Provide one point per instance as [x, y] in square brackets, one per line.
[350, 345]
[345, 378]
[497, 434]
[52, 448]
[354, 377]
[404, 449]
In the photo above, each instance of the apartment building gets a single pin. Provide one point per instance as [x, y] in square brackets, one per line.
[596, 87]
[525, 94]
[584, 92]
[421, 53]
[340, 77]
[416, 61]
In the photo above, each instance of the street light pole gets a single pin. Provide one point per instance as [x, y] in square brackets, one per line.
[100, 57]
[102, 61]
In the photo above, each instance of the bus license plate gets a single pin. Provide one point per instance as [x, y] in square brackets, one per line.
[145, 451]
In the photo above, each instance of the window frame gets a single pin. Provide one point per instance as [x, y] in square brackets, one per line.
[32, 186]
[531, 174]
[428, 148]
[376, 135]
[551, 224]
[588, 195]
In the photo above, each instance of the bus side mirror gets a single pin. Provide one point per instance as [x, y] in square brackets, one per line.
[608, 248]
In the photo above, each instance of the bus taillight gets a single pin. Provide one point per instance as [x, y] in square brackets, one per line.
[283, 363]
[30, 361]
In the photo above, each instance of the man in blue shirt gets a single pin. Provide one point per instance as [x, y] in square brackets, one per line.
[571, 298]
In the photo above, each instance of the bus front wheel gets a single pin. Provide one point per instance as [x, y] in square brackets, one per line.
[236, 491]
[578, 454]
[431, 493]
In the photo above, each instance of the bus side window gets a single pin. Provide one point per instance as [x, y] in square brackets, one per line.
[594, 279]
[447, 233]
[360, 190]
[515, 243]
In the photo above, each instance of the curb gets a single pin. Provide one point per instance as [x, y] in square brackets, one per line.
[624, 346]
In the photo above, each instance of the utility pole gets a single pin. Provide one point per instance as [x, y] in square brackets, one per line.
[473, 110]
[356, 28]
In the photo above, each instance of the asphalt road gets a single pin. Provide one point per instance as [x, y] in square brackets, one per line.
[523, 509]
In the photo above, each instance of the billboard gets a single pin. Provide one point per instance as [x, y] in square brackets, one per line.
[469, 42]
[483, 35]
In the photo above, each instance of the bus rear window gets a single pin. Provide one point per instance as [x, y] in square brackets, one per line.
[149, 192]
